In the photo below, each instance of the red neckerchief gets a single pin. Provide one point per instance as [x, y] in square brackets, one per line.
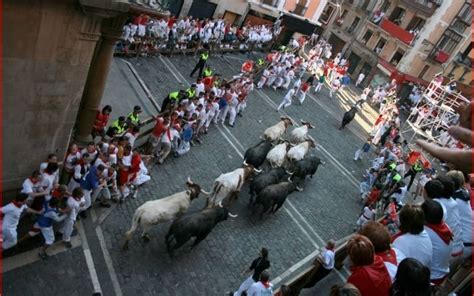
[266, 284]
[397, 235]
[443, 231]
[389, 256]
[16, 204]
[33, 181]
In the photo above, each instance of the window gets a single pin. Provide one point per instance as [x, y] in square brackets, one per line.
[385, 6]
[415, 25]
[326, 14]
[449, 41]
[463, 20]
[340, 20]
[365, 4]
[378, 48]
[354, 25]
[367, 36]
[397, 15]
[397, 57]
[423, 71]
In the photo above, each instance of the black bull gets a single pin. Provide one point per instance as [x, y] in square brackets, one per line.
[198, 225]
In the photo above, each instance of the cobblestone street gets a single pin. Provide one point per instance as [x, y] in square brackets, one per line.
[327, 208]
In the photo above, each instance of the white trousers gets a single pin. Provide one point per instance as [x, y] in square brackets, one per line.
[232, 114]
[183, 148]
[67, 228]
[318, 87]
[10, 237]
[87, 198]
[223, 113]
[285, 103]
[244, 286]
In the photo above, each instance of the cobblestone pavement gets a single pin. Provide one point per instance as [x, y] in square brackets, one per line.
[327, 208]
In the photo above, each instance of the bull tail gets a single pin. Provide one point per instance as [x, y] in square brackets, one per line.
[128, 235]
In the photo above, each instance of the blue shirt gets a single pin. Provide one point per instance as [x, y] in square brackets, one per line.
[90, 180]
[187, 134]
[366, 147]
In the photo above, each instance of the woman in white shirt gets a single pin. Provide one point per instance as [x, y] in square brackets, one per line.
[326, 260]
[413, 240]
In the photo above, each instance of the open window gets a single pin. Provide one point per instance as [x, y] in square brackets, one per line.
[380, 45]
[397, 15]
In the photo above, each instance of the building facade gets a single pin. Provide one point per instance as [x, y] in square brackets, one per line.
[406, 40]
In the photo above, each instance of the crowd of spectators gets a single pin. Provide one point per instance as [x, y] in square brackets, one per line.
[145, 35]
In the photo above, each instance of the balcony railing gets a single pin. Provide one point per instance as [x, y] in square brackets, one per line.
[396, 31]
[466, 61]
[439, 55]
[426, 7]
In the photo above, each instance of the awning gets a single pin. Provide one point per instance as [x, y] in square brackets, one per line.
[300, 25]
[401, 77]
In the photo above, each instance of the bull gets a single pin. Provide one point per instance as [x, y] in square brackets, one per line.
[299, 151]
[255, 155]
[197, 225]
[229, 184]
[162, 210]
[274, 132]
[263, 180]
[300, 134]
[277, 156]
[305, 167]
[273, 196]
[348, 117]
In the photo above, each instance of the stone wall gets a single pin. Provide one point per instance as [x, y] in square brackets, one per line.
[48, 46]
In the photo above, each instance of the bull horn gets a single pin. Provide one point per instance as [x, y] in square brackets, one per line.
[189, 180]
[289, 173]
[245, 162]
[257, 170]
[232, 215]
[289, 179]
[220, 204]
[205, 192]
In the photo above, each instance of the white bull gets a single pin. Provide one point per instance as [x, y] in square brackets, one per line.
[299, 151]
[300, 134]
[227, 184]
[274, 132]
[162, 210]
[277, 156]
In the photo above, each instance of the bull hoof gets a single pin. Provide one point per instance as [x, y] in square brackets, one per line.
[146, 238]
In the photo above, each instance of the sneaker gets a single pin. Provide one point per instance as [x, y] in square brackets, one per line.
[104, 205]
[135, 194]
[199, 141]
[43, 255]
[231, 125]
[68, 245]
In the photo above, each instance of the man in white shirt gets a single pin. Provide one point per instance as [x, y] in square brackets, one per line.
[441, 239]
[413, 240]
[326, 264]
[262, 287]
[32, 187]
[287, 99]
[360, 78]
[11, 217]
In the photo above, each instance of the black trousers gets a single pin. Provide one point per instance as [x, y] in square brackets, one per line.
[412, 173]
[319, 275]
[200, 65]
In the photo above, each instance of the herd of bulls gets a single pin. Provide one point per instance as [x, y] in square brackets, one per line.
[287, 163]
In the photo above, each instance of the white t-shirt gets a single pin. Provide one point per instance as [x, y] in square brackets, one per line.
[423, 180]
[441, 255]
[11, 215]
[392, 268]
[258, 289]
[199, 88]
[451, 217]
[130, 138]
[29, 187]
[465, 219]
[289, 94]
[327, 257]
[416, 246]
[92, 156]
[173, 134]
[70, 159]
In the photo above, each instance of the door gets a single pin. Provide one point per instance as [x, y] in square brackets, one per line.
[202, 9]
[353, 62]
[337, 44]
[230, 17]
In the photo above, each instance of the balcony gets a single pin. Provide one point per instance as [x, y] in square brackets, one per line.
[426, 7]
[439, 55]
[396, 31]
[464, 60]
